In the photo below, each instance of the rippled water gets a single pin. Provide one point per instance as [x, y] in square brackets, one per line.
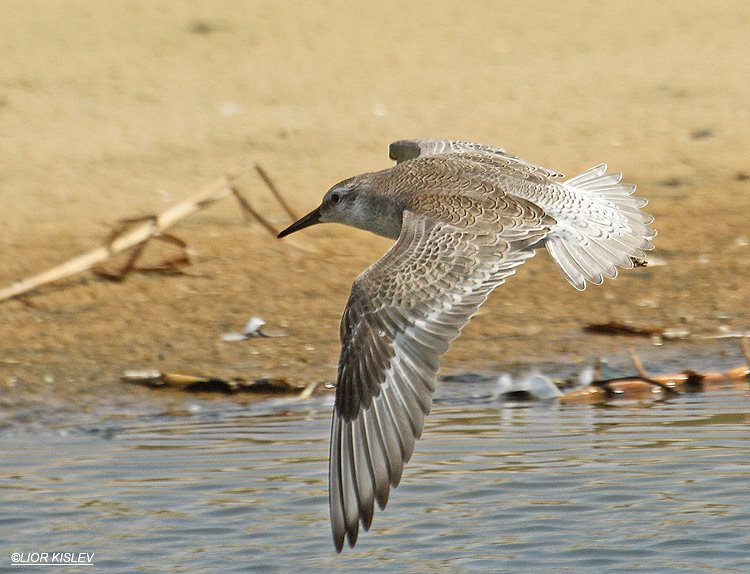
[659, 487]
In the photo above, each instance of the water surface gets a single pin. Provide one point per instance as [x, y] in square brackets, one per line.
[492, 487]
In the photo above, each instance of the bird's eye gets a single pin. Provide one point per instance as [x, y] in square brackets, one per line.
[335, 198]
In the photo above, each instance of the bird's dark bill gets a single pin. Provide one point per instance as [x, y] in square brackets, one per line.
[310, 219]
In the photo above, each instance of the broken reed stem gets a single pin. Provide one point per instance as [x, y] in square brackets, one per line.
[275, 191]
[126, 268]
[151, 227]
[250, 213]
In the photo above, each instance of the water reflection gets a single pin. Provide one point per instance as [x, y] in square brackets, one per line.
[657, 487]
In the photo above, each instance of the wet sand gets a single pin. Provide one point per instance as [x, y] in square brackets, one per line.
[116, 110]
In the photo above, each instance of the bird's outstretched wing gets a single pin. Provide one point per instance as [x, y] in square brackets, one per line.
[403, 150]
[402, 314]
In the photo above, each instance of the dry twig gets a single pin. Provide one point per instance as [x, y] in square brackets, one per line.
[133, 234]
[151, 226]
[275, 191]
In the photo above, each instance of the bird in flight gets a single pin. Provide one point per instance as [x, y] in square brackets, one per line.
[464, 216]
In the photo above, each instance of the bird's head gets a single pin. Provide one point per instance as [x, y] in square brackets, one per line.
[337, 203]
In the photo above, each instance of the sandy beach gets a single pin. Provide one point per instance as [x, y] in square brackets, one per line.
[116, 110]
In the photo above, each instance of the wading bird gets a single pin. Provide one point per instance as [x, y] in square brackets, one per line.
[464, 216]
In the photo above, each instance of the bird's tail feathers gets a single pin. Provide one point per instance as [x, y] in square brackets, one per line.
[600, 228]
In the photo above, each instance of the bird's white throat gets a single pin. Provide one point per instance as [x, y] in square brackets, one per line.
[377, 214]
